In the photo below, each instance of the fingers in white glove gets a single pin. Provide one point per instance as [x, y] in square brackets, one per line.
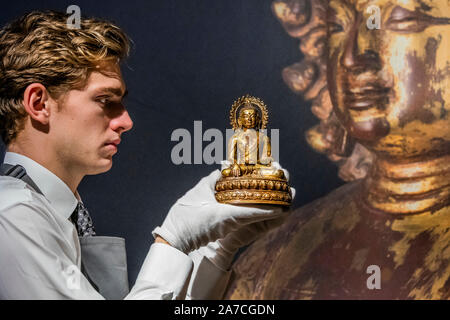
[221, 252]
[249, 233]
[293, 191]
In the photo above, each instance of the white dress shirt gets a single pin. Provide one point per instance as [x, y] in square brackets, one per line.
[40, 248]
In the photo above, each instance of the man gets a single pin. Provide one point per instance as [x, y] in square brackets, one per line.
[62, 118]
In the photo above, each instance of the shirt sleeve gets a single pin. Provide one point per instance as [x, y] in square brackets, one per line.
[164, 275]
[208, 282]
[36, 263]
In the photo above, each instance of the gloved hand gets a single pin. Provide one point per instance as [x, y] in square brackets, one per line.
[197, 219]
[222, 251]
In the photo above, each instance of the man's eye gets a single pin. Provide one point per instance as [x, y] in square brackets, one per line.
[334, 27]
[103, 101]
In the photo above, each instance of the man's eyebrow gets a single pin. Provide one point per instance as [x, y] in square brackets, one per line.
[114, 91]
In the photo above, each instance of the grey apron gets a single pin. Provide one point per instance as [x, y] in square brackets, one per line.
[103, 259]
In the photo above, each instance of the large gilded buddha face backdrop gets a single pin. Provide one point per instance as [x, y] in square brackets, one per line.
[390, 86]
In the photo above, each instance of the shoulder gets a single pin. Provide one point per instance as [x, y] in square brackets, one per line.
[14, 191]
[17, 198]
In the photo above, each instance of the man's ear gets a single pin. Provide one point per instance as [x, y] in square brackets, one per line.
[36, 103]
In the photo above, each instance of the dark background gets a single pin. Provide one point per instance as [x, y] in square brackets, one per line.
[190, 61]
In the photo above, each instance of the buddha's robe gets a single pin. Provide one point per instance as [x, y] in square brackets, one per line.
[324, 249]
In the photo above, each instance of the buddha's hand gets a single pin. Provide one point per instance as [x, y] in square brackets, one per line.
[197, 219]
[235, 170]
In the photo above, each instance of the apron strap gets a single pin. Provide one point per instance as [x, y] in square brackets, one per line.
[18, 172]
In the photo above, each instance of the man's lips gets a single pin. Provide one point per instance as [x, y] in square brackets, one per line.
[114, 143]
[365, 97]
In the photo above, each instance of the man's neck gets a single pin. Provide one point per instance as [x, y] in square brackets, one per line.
[51, 163]
[408, 187]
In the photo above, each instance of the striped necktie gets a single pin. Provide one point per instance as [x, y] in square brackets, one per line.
[82, 220]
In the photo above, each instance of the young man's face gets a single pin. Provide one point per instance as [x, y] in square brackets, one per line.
[87, 128]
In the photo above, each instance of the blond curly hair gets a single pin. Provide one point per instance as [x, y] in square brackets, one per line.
[40, 47]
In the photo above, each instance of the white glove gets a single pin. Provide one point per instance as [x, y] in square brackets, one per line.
[222, 251]
[197, 219]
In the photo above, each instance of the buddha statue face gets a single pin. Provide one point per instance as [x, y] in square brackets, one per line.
[390, 86]
[248, 118]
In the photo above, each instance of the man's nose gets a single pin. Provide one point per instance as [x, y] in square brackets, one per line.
[361, 48]
[122, 123]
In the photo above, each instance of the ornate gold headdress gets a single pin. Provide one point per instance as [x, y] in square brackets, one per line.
[255, 103]
[306, 21]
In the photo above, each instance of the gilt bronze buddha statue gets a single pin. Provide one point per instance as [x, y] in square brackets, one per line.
[250, 176]
[383, 100]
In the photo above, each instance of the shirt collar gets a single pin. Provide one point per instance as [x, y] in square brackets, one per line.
[54, 189]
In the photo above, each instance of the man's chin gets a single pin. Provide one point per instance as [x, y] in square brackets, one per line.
[104, 165]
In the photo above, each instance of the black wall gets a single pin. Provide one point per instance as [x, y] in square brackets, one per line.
[190, 61]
